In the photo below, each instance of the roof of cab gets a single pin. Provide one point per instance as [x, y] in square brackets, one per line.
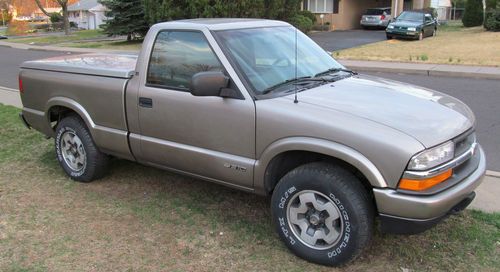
[220, 23]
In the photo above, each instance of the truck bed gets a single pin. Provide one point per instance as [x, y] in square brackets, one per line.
[108, 65]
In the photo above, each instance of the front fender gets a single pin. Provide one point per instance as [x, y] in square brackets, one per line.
[321, 146]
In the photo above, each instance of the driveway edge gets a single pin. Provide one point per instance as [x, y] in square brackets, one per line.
[482, 72]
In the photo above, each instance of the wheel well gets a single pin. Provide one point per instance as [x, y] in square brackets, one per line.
[57, 113]
[287, 161]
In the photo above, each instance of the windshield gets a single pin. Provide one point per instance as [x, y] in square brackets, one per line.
[411, 16]
[266, 56]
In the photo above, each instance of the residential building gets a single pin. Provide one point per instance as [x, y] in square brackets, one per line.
[87, 14]
[346, 14]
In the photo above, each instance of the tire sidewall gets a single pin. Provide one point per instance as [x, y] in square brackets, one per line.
[60, 131]
[345, 246]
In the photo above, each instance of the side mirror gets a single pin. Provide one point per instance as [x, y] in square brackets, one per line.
[208, 83]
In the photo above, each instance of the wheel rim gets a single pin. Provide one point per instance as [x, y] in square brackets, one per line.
[314, 219]
[73, 151]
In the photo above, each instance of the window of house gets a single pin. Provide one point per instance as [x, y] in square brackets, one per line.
[177, 56]
[322, 6]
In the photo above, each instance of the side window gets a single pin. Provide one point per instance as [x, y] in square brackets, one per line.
[177, 56]
[428, 18]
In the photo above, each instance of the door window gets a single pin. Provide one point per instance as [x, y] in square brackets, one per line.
[177, 56]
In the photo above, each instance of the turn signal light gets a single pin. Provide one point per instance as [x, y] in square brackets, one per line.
[423, 184]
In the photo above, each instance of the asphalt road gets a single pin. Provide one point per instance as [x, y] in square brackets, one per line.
[336, 40]
[483, 96]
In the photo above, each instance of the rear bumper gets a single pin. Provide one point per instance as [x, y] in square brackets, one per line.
[395, 206]
[374, 23]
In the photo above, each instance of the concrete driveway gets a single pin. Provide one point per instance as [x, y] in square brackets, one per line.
[336, 40]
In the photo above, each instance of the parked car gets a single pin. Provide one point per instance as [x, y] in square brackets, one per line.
[3, 37]
[227, 101]
[412, 24]
[376, 17]
[23, 18]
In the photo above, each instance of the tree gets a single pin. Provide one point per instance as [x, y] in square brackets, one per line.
[64, 7]
[474, 13]
[127, 18]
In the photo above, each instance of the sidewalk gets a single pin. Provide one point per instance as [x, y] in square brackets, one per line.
[429, 69]
[487, 199]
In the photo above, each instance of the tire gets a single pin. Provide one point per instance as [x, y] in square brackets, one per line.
[77, 153]
[389, 37]
[337, 192]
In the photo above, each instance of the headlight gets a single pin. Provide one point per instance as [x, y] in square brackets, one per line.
[432, 157]
[390, 27]
[412, 29]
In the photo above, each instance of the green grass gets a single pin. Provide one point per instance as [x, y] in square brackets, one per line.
[55, 39]
[140, 218]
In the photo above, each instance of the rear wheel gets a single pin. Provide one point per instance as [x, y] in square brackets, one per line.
[76, 151]
[322, 213]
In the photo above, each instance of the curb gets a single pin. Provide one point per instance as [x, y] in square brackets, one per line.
[437, 70]
[493, 174]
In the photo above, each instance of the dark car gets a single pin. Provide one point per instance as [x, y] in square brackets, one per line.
[412, 24]
[2, 37]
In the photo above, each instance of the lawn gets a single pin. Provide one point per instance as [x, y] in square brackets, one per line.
[60, 38]
[143, 219]
[454, 44]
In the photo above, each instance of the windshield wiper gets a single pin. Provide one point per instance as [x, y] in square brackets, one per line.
[292, 80]
[335, 70]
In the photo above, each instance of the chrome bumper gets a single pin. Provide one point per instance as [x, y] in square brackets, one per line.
[393, 203]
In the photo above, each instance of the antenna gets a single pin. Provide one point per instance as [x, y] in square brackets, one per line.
[296, 60]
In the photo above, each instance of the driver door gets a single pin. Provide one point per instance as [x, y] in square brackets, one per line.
[210, 137]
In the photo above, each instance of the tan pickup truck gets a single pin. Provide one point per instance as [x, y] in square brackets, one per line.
[258, 106]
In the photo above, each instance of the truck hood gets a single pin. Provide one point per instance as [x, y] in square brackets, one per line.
[428, 116]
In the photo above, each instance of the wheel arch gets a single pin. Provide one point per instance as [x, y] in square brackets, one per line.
[58, 107]
[287, 154]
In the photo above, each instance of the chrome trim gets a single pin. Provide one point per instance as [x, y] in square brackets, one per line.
[443, 167]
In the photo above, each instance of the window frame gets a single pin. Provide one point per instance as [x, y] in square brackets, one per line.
[165, 87]
[324, 9]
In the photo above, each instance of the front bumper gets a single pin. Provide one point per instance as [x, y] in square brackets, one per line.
[401, 33]
[394, 206]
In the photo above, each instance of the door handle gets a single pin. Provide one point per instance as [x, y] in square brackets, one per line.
[145, 102]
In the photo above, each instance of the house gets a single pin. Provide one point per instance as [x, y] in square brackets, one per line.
[346, 14]
[87, 14]
[443, 9]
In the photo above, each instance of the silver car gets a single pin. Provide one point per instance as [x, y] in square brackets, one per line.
[376, 17]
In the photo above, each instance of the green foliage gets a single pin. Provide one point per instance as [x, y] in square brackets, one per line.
[492, 22]
[309, 15]
[302, 22]
[55, 17]
[473, 15]
[128, 18]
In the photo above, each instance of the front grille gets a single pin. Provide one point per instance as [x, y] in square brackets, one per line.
[400, 27]
[464, 142]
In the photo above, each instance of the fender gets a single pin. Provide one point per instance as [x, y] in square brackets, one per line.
[110, 140]
[321, 146]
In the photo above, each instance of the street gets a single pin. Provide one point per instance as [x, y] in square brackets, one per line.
[483, 96]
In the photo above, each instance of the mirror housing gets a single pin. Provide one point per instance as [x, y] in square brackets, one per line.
[208, 83]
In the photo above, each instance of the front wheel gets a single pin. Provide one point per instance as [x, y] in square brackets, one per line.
[76, 151]
[322, 213]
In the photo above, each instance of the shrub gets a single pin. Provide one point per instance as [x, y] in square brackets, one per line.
[308, 14]
[55, 17]
[18, 28]
[492, 22]
[301, 22]
[473, 15]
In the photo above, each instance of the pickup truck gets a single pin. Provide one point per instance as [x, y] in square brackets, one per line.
[258, 106]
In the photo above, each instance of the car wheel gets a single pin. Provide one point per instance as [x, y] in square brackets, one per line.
[389, 37]
[76, 151]
[322, 213]
[421, 35]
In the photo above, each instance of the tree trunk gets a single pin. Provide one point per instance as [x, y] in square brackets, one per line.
[65, 19]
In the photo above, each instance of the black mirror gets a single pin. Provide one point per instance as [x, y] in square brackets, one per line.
[208, 83]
